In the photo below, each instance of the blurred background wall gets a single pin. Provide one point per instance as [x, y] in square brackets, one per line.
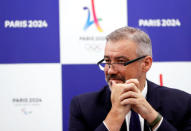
[49, 50]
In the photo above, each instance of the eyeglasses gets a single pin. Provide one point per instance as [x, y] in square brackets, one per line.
[102, 63]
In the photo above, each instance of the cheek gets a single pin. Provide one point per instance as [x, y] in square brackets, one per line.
[130, 72]
[105, 71]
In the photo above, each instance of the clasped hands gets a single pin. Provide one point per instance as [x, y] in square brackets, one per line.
[125, 97]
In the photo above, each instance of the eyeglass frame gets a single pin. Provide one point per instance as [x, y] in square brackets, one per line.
[124, 64]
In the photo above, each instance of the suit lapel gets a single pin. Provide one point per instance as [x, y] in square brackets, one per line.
[107, 99]
[153, 99]
[152, 95]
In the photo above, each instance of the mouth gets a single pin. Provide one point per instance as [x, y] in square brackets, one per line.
[115, 78]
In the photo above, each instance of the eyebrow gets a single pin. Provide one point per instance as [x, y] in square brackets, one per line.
[119, 57]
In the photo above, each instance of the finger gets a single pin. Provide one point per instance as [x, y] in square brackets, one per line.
[129, 101]
[117, 87]
[129, 94]
[130, 87]
[112, 84]
[135, 81]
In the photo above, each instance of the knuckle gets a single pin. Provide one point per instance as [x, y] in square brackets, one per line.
[131, 94]
[133, 85]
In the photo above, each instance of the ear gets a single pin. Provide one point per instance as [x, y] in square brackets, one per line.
[147, 63]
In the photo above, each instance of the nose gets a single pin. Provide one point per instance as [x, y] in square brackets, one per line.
[111, 69]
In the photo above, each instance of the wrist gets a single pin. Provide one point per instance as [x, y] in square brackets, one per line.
[114, 120]
[150, 117]
[118, 112]
[156, 121]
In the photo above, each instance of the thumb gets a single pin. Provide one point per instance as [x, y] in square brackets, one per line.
[112, 84]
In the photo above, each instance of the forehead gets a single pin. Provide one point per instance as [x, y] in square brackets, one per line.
[126, 48]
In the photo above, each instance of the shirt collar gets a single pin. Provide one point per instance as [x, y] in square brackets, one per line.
[144, 91]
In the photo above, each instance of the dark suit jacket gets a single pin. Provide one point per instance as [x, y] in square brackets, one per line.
[88, 111]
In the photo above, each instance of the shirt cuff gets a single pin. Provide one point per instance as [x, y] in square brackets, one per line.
[105, 125]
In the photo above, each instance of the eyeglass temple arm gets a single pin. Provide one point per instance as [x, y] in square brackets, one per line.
[129, 62]
[100, 61]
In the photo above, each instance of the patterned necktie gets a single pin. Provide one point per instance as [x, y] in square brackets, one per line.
[134, 122]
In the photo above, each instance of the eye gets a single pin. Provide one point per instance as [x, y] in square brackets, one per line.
[121, 61]
[107, 61]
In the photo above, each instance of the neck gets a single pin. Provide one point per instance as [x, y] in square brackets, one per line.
[142, 84]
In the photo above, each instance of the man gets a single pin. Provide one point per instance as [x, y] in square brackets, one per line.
[127, 58]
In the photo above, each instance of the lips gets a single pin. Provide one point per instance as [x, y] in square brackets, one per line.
[115, 79]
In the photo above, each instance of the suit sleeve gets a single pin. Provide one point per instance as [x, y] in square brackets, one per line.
[184, 125]
[166, 126]
[77, 121]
